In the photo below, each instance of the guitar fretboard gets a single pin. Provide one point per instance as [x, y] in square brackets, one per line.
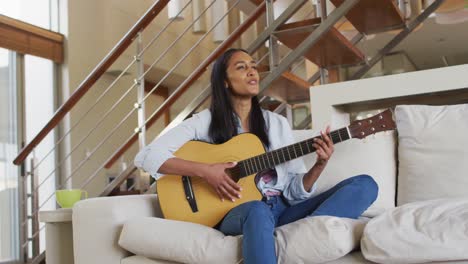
[271, 159]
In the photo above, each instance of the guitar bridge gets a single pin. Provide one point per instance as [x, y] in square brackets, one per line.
[189, 194]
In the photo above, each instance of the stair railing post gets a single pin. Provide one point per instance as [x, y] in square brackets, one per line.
[140, 105]
[272, 42]
[322, 6]
[140, 182]
[323, 9]
[24, 226]
[33, 194]
[402, 4]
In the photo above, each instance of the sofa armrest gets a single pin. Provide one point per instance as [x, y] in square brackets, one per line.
[97, 224]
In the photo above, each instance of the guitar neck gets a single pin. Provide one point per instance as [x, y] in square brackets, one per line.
[271, 159]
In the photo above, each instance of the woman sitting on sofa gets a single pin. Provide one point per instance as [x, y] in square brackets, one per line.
[288, 190]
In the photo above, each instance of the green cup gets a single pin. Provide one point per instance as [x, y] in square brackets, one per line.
[67, 198]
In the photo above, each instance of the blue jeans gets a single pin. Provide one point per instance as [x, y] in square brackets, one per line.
[257, 220]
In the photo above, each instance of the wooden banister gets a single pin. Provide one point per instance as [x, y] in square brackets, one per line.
[100, 69]
[29, 39]
[191, 79]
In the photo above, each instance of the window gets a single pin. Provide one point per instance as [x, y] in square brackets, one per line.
[39, 108]
[27, 96]
[35, 12]
[9, 173]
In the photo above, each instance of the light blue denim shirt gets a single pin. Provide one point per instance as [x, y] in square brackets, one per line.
[290, 174]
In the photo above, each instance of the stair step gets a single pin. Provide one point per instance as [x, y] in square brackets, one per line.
[374, 16]
[288, 87]
[287, 75]
[332, 49]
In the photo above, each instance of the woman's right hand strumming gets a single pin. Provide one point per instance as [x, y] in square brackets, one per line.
[215, 174]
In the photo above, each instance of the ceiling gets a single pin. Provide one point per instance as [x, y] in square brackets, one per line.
[427, 46]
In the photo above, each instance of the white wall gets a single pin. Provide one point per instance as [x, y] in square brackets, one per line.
[326, 99]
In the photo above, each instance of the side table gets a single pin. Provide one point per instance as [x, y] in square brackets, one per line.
[59, 235]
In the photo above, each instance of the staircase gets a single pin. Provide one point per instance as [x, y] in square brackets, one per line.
[294, 43]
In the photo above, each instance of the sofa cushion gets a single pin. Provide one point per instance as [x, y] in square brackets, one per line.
[355, 257]
[144, 260]
[434, 230]
[375, 156]
[178, 241]
[432, 151]
[316, 239]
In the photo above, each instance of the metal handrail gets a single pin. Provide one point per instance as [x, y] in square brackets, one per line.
[252, 47]
[195, 75]
[100, 69]
[187, 53]
[190, 80]
[105, 92]
[59, 164]
[214, 54]
[134, 137]
[173, 44]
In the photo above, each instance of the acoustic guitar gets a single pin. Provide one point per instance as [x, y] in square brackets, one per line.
[192, 199]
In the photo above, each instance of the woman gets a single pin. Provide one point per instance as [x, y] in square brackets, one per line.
[288, 190]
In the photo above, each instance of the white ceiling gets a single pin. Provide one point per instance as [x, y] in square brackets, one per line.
[428, 45]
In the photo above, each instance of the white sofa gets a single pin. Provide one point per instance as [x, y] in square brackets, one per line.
[432, 164]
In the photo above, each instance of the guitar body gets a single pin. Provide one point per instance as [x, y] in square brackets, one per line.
[211, 209]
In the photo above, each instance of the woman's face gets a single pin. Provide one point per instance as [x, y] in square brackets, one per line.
[242, 75]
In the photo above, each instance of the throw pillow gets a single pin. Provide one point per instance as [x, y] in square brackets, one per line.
[432, 151]
[419, 232]
[178, 241]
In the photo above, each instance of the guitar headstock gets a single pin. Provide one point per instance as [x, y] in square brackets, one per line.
[378, 123]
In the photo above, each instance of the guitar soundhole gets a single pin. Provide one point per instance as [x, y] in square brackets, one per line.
[234, 176]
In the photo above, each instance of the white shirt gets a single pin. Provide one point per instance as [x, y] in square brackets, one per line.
[290, 174]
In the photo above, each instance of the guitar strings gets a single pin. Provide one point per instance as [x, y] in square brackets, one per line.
[334, 135]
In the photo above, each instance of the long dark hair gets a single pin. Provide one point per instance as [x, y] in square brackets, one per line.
[223, 119]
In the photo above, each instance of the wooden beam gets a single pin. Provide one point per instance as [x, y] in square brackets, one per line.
[331, 50]
[29, 39]
[371, 16]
